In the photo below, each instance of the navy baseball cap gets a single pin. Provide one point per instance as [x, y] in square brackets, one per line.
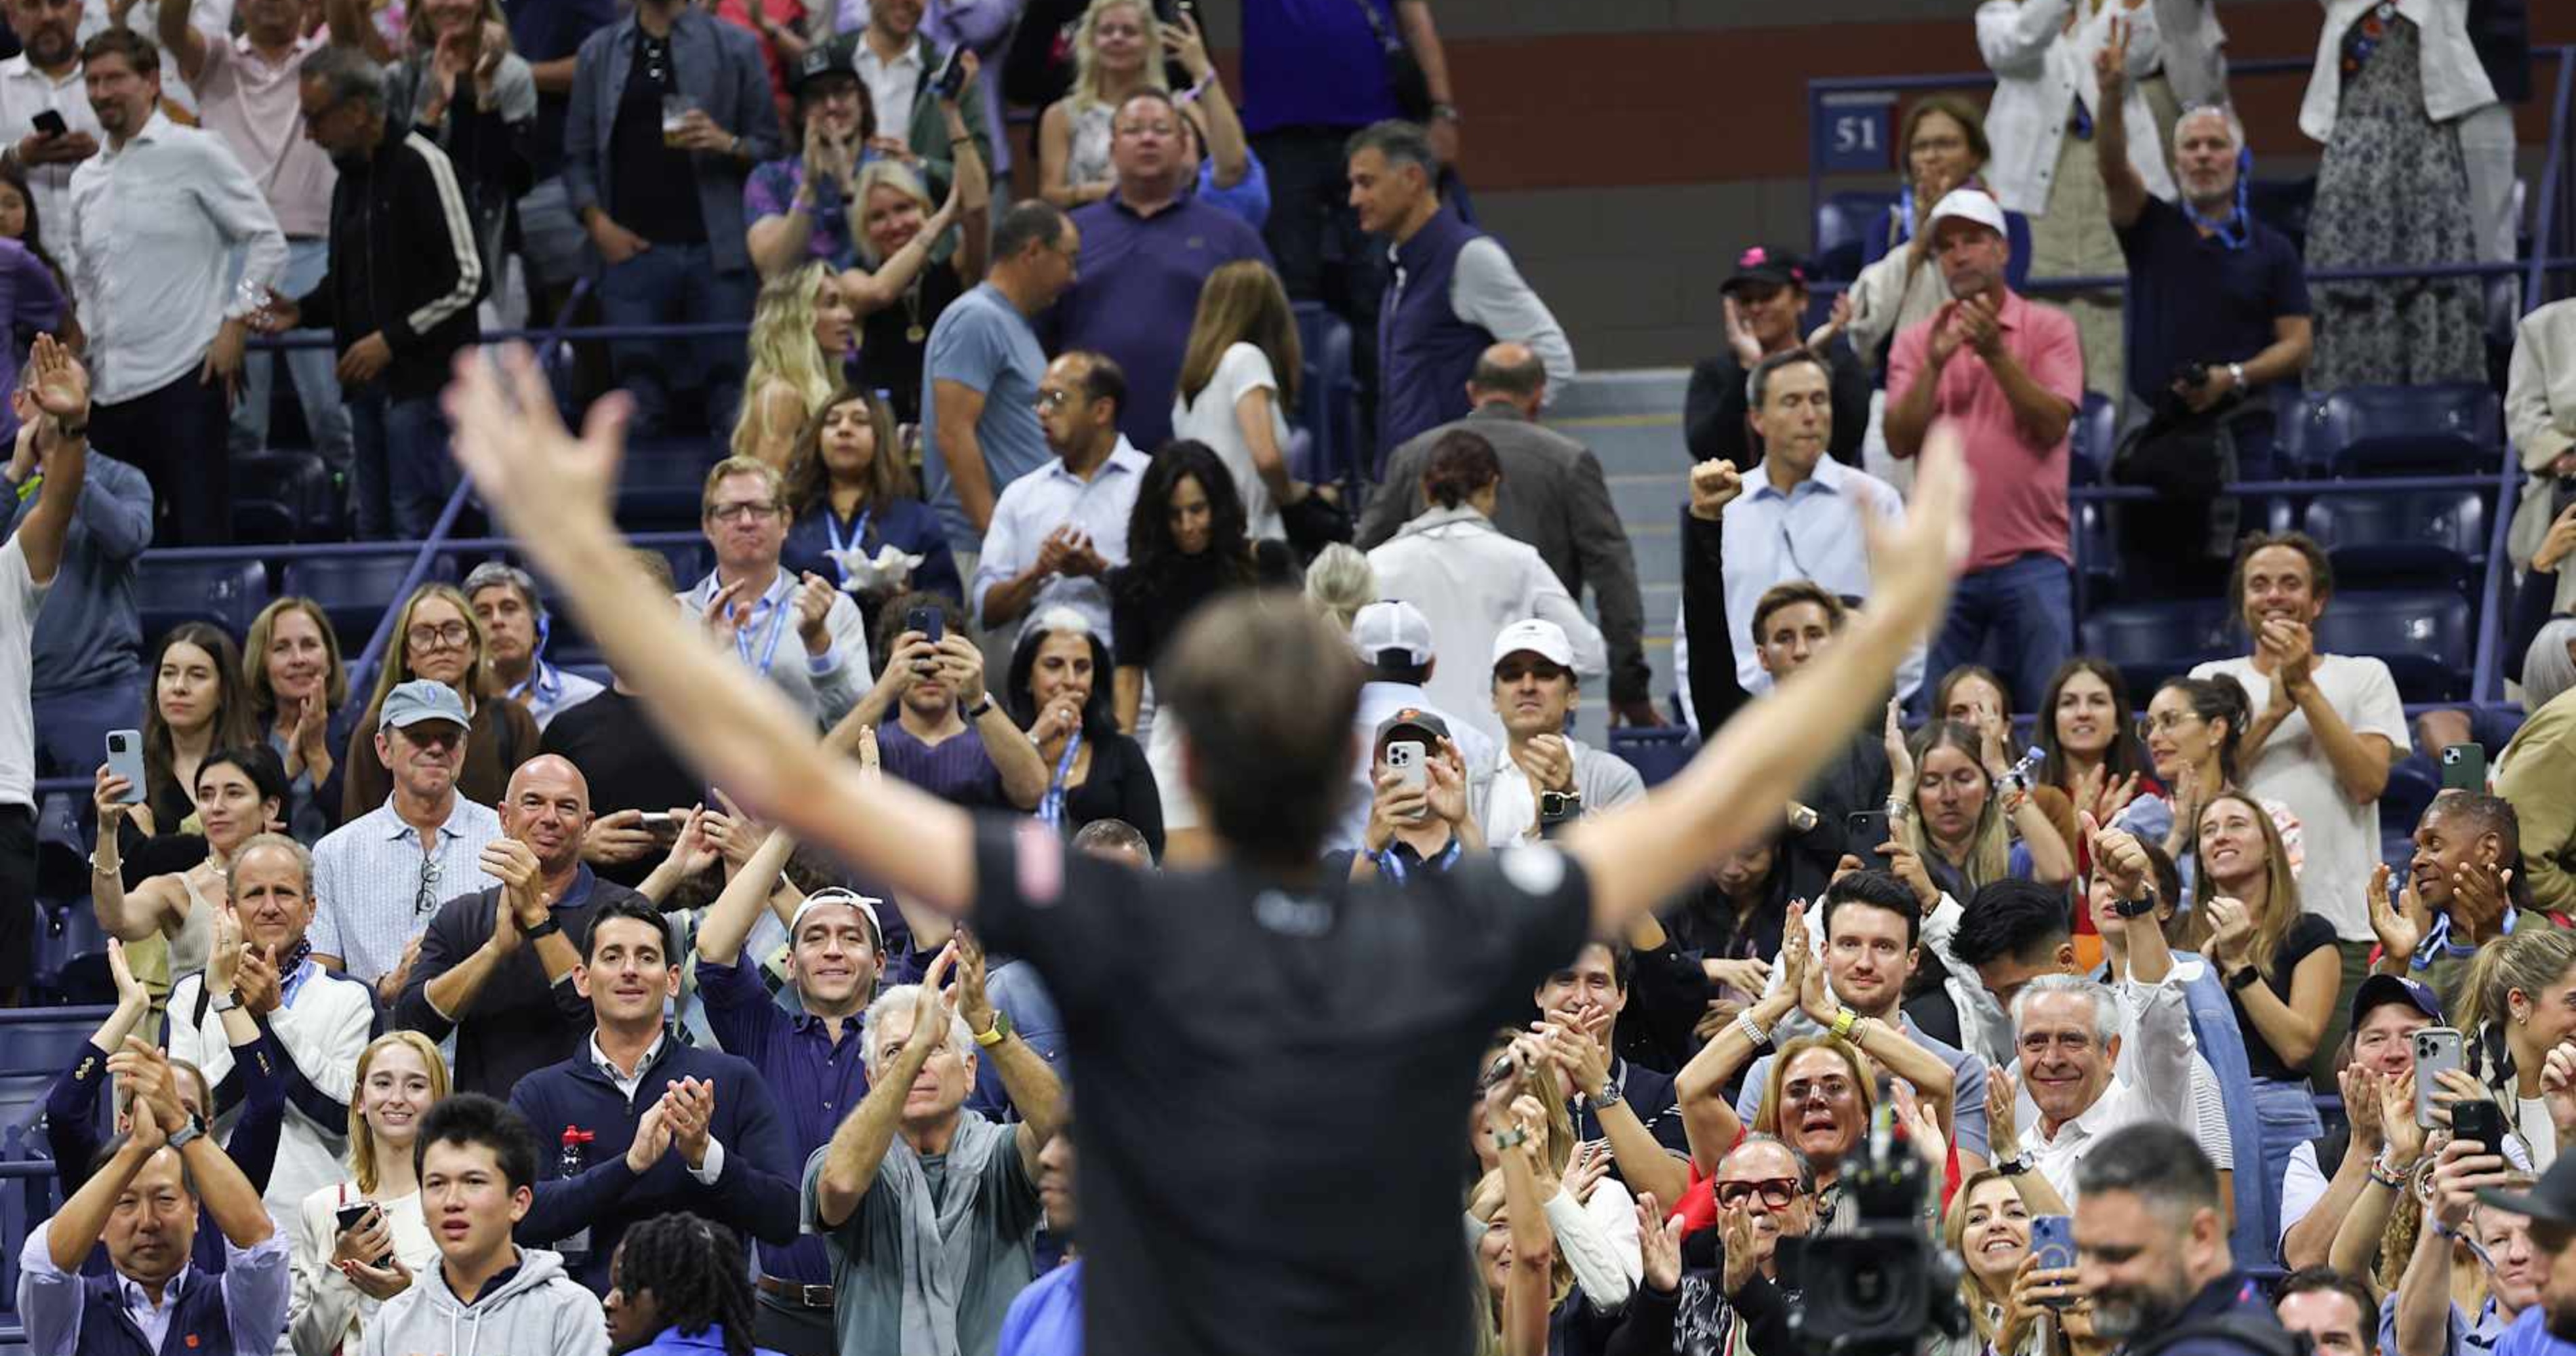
[2380, 990]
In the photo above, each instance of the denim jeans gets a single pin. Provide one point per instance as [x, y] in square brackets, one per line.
[677, 285]
[2015, 618]
[400, 477]
[314, 371]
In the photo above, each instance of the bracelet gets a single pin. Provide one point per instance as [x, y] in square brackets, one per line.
[79, 430]
[99, 868]
[1510, 1139]
[2386, 1176]
[1753, 1030]
[966, 140]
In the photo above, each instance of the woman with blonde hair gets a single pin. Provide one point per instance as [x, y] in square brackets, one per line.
[906, 292]
[2517, 1005]
[1592, 1216]
[848, 489]
[1339, 583]
[361, 1242]
[802, 335]
[436, 637]
[299, 689]
[1238, 376]
[1117, 51]
[1960, 823]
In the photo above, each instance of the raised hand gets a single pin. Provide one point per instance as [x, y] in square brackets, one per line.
[2558, 1088]
[130, 992]
[1900, 757]
[1922, 1128]
[60, 384]
[652, 1137]
[2111, 63]
[2361, 1107]
[2461, 1170]
[506, 435]
[2397, 933]
[1659, 1241]
[2003, 1105]
[224, 952]
[973, 1003]
[1713, 485]
[1739, 336]
[107, 793]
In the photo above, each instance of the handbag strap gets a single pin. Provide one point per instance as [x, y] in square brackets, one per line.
[1377, 25]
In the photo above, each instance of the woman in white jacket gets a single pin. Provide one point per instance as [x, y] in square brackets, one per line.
[2040, 123]
[338, 1279]
[1471, 581]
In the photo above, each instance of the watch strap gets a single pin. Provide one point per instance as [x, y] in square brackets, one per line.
[2244, 977]
[179, 1138]
[976, 712]
[546, 927]
[226, 1001]
[2016, 1165]
[1844, 1021]
[999, 1032]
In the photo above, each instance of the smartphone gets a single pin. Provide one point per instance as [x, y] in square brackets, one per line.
[658, 819]
[2481, 1123]
[926, 620]
[1863, 831]
[2464, 768]
[50, 123]
[125, 759]
[353, 1215]
[952, 73]
[2436, 1048]
[2052, 1245]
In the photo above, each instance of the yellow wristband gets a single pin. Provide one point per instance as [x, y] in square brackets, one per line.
[1844, 1021]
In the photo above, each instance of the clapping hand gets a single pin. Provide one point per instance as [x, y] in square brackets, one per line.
[2480, 893]
[2394, 922]
[1739, 336]
[2558, 1088]
[58, 384]
[2003, 1107]
[2231, 930]
[689, 1108]
[1659, 1241]
[814, 598]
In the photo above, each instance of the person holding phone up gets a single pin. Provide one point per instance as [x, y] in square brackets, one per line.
[949, 735]
[1418, 820]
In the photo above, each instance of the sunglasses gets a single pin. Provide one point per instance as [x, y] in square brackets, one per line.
[1776, 1192]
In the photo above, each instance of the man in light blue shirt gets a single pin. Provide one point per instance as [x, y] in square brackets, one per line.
[1058, 531]
[1802, 515]
[1394, 641]
[143, 1204]
[980, 375]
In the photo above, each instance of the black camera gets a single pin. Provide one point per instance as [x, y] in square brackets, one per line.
[1888, 1287]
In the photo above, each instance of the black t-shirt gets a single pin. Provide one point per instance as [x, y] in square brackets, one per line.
[893, 338]
[655, 193]
[1274, 1083]
[2308, 934]
[2192, 299]
[626, 763]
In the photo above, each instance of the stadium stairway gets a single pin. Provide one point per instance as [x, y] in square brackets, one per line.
[1632, 421]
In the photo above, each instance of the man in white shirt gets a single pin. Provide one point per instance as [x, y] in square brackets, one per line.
[2325, 730]
[156, 219]
[753, 605]
[261, 975]
[2080, 1079]
[1395, 645]
[245, 88]
[1802, 515]
[28, 563]
[1058, 531]
[45, 78]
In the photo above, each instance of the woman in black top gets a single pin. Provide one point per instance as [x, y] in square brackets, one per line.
[893, 207]
[1094, 772]
[1185, 544]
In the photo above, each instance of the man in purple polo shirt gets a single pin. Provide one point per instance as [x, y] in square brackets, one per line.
[948, 735]
[813, 1063]
[1146, 249]
[2011, 374]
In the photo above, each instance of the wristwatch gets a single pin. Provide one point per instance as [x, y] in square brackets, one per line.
[179, 1138]
[547, 927]
[976, 712]
[1611, 1095]
[1555, 807]
[2245, 977]
[1000, 1032]
[225, 1001]
[2016, 1165]
[2135, 908]
[2236, 374]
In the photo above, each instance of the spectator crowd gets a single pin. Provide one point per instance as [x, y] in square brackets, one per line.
[1042, 713]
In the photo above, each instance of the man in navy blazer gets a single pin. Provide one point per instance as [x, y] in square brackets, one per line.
[670, 110]
[639, 1124]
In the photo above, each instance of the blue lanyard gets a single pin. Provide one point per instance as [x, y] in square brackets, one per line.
[778, 610]
[858, 536]
[1391, 865]
[1051, 805]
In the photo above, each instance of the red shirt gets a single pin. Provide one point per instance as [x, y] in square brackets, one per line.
[2020, 505]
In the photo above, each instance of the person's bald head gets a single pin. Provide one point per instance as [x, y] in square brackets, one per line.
[1511, 373]
[547, 807]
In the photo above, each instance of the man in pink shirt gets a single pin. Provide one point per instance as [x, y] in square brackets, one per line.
[2010, 374]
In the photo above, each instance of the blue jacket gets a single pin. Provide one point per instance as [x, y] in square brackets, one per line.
[673, 1342]
[719, 66]
[2222, 1044]
[603, 1196]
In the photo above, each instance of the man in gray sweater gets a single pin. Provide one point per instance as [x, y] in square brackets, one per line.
[1553, 497]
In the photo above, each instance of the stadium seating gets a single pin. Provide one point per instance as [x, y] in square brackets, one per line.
[1656, 753]
[71, 954]
[1327, 408]
[2447, 429]
[2426, 637]
[43, 1040]
[2150, 642]
[2412, 784]
[285, 497]
[2402, 539]
[660, 483]
[225, 594]
[1846, 226]
[355, 591]
[2096, 437]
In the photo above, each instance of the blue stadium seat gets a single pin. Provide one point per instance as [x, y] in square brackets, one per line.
[43, 1040]
[2151, 642]
[285, 496]
[2412, 784]
[2096, 437]
[2445, 429]
[1327, 401]
[1656, 753]
[355, 591]
[2283, 205]
[71, 954]
[659, 485]
[1847, 224]
[62, 845]
[2101, 554]
[2426, 637]
[227, 594]
[2401, 539]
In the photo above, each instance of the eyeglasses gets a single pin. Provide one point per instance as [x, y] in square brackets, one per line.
[2168, 722]
[454, 635]
[735, 513]
[1054, 399]
[1776, 1192]
[427, 898]
[1822, 1089]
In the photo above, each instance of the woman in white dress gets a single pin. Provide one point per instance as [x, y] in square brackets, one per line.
[1238, 376]
[344, 1271]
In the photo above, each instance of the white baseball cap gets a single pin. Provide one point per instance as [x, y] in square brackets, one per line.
[1545, 639]
[1969, 204]
[1392, 624]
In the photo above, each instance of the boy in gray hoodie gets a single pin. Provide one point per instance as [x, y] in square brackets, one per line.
[477, 1161]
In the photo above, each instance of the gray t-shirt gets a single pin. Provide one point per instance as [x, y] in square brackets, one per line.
[982, 342]
[869, 1249]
